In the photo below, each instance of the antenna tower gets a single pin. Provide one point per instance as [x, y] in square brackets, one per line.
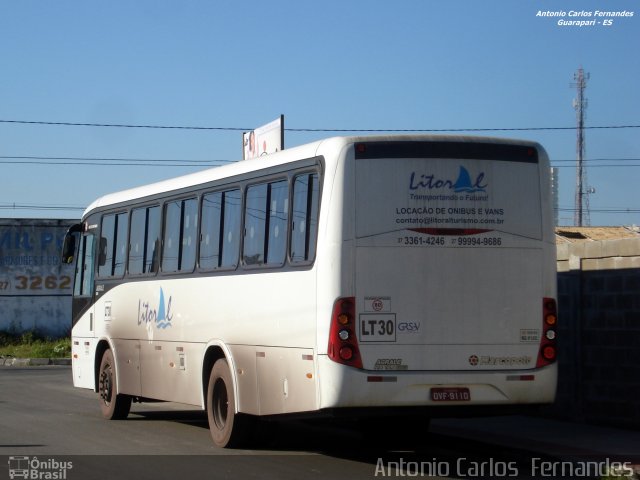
[581, 214]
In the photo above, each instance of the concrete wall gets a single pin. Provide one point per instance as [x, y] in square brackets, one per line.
[35, 288]
[599, 332]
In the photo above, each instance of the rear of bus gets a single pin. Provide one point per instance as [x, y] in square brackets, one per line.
[448, 276]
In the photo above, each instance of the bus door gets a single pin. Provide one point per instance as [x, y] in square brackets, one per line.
[82, 241]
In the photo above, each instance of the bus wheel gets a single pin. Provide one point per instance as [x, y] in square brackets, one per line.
[228, 428]
[114, 406]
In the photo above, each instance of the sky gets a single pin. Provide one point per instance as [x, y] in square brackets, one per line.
[329, 65]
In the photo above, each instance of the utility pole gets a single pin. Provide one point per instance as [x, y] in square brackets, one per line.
[581, 214]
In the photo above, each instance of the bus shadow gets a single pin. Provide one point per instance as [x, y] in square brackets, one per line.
[281, 435]
[345, 440]
[195, 418]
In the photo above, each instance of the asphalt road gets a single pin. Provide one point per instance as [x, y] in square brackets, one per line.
[43, 416]
[58, 430]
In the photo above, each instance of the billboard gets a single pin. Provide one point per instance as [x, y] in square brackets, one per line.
[263, 140]
[35, 287]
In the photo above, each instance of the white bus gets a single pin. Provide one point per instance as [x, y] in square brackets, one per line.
[358, 276]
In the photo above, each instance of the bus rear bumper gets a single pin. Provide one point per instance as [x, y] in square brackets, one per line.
[347, 387]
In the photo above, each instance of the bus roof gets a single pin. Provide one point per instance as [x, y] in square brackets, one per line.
[205, 176]
[309, 150]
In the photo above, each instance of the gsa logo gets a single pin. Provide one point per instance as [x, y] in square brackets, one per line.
[409, 327]
[463, 184]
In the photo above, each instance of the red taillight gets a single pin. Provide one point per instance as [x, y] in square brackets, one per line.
[548, 349]
[549, 353]
[346, 353]
[343, 345]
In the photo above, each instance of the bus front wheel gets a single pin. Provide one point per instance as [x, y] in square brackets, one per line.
[114, 406]
[228, 428]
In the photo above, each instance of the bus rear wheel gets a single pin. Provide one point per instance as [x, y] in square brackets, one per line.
[114, 406]
[228, 428]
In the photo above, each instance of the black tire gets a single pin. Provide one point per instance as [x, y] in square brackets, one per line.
[114, 406]
[228, 428]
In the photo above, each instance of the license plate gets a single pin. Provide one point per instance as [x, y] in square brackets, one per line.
[450, 394]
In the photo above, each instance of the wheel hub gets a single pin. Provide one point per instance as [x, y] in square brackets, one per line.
[105, 386]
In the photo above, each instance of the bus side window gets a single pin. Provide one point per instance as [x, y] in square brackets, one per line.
[120, 244]
[113, 245]
[232, 218]
[180, 227]
[152, 250]
[106, 246]
[171, 245]
[304, 222]
[255, 221]
[188, 235]
[265, 224]
[210, 231]
[144, 243]
[278, 222]
[136, 244]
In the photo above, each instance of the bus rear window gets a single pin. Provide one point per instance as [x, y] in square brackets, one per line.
[430, 195]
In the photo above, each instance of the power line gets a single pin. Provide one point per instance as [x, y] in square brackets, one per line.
[204, 164]
[604, 210]
[600, 166]
[176, 162]
[125, 159]
[120, 125]
[596, 160]
[19, 206]
[97, 161]
[344, 130]
[108, 159]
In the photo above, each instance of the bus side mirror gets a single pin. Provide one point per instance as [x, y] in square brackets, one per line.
[69, 245]
[69, 249]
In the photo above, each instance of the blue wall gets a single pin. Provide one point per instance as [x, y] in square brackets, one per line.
[35, 288]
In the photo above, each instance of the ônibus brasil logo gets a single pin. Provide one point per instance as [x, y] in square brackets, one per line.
[33, 468]
[462, 184]
[160, 316]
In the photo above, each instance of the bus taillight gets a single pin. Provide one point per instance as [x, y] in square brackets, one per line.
[548, 348]
[343, 343]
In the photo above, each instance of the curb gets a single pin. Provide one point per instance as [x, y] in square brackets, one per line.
[33, 362]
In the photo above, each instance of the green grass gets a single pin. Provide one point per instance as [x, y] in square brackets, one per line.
[32, 345]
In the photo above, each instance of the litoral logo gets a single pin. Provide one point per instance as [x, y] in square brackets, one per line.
[161, 316]
[462, 184]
